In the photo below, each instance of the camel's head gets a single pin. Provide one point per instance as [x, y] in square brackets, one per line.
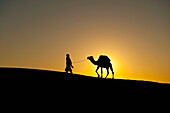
[90, 57]
[92, 60]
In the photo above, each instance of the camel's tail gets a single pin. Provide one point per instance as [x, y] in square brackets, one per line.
[111, 68]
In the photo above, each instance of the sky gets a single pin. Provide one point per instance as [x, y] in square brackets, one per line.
[134, 34]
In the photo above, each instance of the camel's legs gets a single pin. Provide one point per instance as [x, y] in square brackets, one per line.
[111, 68]
[113, 75]
[97, 72]
[107, 72]
[101, 72]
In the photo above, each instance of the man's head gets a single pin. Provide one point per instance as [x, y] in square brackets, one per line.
[67, 55]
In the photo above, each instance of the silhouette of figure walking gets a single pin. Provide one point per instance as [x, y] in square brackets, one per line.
[68, 64]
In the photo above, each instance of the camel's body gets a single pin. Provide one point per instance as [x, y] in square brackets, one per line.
[103, 62]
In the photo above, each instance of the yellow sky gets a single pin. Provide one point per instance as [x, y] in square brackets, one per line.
[134, 34]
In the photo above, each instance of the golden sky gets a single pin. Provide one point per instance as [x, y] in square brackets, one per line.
[135, 34]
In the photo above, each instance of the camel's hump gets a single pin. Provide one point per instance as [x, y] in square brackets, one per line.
[103, 58]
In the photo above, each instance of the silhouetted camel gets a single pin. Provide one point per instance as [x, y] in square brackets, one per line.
[103, 62]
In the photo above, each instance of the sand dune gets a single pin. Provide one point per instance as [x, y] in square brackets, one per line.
[41, 77]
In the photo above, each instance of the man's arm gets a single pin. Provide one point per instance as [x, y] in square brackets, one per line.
[71, 64]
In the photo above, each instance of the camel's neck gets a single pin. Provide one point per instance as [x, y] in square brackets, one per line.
[93, 61]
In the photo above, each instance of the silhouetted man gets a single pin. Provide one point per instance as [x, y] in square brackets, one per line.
[68, 64]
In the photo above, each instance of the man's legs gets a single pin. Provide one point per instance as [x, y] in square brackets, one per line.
[71, 72]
